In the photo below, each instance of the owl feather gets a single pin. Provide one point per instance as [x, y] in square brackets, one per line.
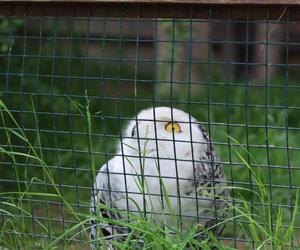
[165, 167]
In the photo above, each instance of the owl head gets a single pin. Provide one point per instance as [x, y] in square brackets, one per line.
[163, 131]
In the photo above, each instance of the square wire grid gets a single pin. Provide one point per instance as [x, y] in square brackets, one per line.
[70, 84]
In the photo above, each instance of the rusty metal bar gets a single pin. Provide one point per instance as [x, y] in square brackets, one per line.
[233, 2]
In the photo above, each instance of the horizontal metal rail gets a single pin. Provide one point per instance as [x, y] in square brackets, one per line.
[208, 9]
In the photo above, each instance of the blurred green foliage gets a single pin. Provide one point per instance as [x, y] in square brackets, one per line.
[8, 27]
[43, 77]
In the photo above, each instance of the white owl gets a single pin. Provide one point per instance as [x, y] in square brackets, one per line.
[165, 153]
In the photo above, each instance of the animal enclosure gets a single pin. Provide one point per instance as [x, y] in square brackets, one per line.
[73, 74]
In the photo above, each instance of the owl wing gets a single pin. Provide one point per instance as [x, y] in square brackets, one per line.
[211, 182]
[102, 206]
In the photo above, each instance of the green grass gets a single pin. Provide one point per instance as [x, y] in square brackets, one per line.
[56, 132]
[19, 212]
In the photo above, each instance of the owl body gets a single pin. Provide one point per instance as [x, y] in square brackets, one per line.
[165, 169]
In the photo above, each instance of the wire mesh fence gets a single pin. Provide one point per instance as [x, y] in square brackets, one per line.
[72, 86]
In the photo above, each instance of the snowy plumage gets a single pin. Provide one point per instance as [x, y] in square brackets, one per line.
[163, 150]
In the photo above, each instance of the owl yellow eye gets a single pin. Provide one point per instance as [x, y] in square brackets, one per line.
[173, 126]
